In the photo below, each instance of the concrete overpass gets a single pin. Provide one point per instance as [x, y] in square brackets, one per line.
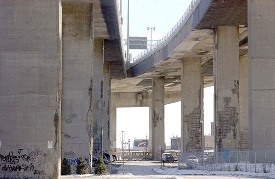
[60, 60]
[210, 46]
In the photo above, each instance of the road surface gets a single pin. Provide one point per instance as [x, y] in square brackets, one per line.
[145, 170]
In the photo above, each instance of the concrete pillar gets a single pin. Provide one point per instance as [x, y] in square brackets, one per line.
[77, 74]
[106, 107]
[243, 99]
[30, 88]
[97, 96]
[261, 72]
[192, 105]
[157, 126]
[226, 88]
[113, 129]
[150, 130]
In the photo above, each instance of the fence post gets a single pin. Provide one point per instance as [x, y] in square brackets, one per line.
[215, 160]
[265, 170]
[229, 161]
[255, 163]
[238, 160]
[246, 161]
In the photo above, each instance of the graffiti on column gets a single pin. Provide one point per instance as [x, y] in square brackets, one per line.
[67, 136]
[194, 127]
[244, 140]
[72, 117]
[227, 122]
[25, 160]
[156, 119]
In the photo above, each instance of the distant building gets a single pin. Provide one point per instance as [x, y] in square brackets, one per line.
[209, 141]
[212, 128]
[140, 144]
[175, 143]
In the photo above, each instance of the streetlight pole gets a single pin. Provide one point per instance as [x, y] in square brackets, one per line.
[152, 29]
[129, 145]
[128, 32]
[122, 151]
[146, 143]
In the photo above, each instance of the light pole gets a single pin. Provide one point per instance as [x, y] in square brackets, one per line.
[152, 29]
[146, 143]
[128, 32]
[122, 143]
[129, 145]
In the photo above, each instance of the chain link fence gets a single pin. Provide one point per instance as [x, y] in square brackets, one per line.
[247, 161]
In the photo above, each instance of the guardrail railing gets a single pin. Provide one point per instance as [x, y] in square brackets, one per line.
[168, 37]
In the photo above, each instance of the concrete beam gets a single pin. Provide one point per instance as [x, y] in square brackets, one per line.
[142, 99]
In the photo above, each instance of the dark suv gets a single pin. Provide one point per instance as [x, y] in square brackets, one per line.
[167, 157]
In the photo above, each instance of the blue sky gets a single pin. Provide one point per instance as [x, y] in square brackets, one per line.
[163, 15]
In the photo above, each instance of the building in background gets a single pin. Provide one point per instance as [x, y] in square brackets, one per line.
[140, 144]
[175, 143]
[212, 128]
[208, 142]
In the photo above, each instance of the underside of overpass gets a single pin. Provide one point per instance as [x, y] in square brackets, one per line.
[193, 39]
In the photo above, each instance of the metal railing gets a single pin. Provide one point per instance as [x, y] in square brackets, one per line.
[169, 36]
[246, 161]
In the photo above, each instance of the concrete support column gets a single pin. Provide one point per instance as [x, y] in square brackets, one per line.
[192, 105]
[261, 72]
[226, 88]
[157, 125]
[97, 96]
[106, 107]
[150, 130]
[113, 129]
[77, 83]
[30, 88]
[243, 99]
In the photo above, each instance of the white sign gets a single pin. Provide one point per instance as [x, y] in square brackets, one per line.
[137, 42]
[50, 144]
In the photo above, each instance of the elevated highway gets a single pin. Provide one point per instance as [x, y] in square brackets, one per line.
[192, 36]
[62, 76]
[224, 43]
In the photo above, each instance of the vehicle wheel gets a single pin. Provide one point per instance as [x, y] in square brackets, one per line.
[114, 158]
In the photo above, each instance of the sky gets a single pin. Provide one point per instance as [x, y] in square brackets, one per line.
[163, 15]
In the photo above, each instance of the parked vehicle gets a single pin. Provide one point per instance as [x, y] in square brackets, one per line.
[94, 161]
[106, 158]
[192, 161]
[167, 157]
[114, 158]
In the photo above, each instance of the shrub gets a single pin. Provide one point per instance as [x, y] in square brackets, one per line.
[82, 166]
[100, 168]
[65, 167]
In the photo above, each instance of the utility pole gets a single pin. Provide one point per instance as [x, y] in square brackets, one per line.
[122, 143]
[146, 143]
[152, 29]
[129, 145]
[128, 15]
